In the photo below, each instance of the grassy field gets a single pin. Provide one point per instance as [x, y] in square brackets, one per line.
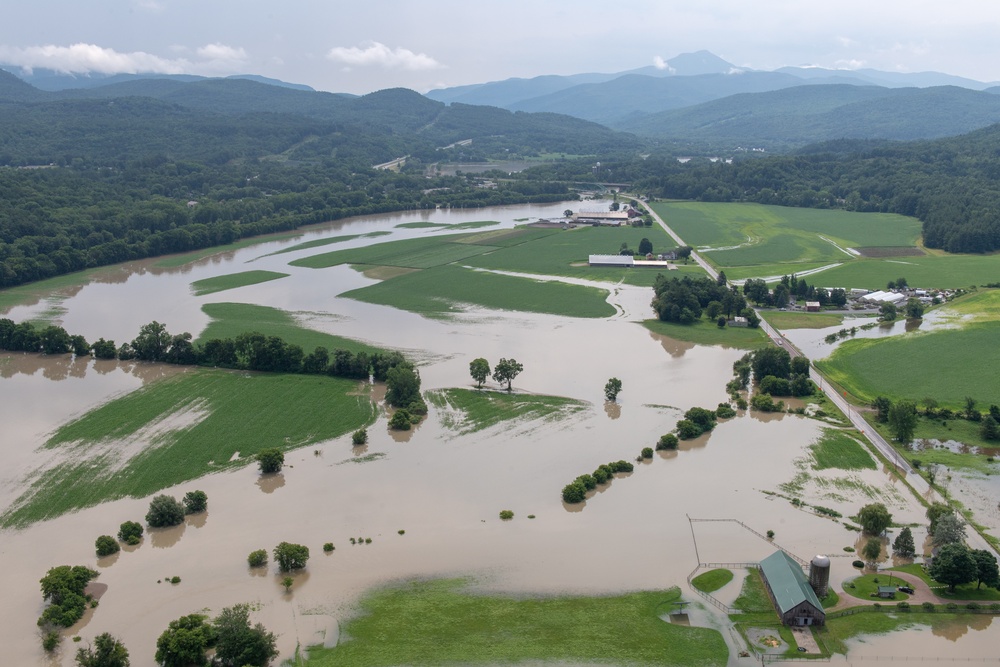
[472, 410]
[418, 253]
[836, 449]
[947, 365]
[704, 332]
[231, 319]
[753, 596]
[436, 623]
[713, 580]
[865, 586]
[790, 320]
[444, 289]
[318, 243]
[939, 271]
[233, 280]
[837, 631]
[181, 428]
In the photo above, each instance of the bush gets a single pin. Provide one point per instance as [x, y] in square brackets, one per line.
[770, 534]
[974, 606]
[360, 437]
[164, 511]
[688, 430]
[647, 452]
[401, 420]
[601, 475]
[903, 606]
[506, 515]
[50, 640]
[741, 403]
[270, 460]
[328, 547]
[290, 556]
[860, 564]
[667, 441]
[130, 532]
[588, 481]
[951, 606]
[175, 579]
[574, 492]
[106, 545]
[195, 502]
[621, 466]
[257, 558]
[927, 606]
[725, 411]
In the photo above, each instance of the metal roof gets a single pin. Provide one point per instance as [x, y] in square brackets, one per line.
[787, 581]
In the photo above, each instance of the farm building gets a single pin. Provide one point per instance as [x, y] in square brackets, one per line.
[884, 297]
[612, 260]
[603, 217]
[812, 306]
[789, 590]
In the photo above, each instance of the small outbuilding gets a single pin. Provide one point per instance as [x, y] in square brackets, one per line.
[887, 592]
[789, 590]
[812, 306]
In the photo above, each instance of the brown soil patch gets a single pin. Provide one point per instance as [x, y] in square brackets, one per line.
[384, 272]
[890, 251]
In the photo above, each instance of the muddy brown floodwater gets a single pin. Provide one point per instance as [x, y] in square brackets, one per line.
[445, 490]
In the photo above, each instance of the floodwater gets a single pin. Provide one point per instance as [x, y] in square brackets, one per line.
[642, 530]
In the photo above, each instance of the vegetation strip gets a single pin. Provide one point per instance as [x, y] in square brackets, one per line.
[472, 410]
[233, 280]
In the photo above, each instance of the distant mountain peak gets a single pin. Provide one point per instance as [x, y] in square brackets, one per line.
[699, 62]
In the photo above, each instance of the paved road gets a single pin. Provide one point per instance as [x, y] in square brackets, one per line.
[849, 410]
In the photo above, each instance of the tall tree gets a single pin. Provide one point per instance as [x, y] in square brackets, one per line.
[987, 571]
[872, 550]
[238, 643]
[152, 342]
[402, 386]
[954, 565]
[902, 420]
[903, 545]
[611, 389]
[479, 369]
[506, 370]
[874, 518]
[106, 651]
[950, 529]
[185, 641]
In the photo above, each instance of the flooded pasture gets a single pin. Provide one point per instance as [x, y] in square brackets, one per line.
[443, 488]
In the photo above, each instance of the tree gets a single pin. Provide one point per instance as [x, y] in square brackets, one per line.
[106, 545]
[887, 312]
[950, 529]
[401, 420]
[574, 492]
[612, 388]
[63, 586]
[874, 518]
[989, 429]
[130, 532]
[106, 651]
[359, 437]
[195, 502]
[506, 370]
[914, 309]
[290, 556]
[479, 369]
[152, 342]
[881, 404]
[934, 514]
[986, 568]
[954, 565]
[970, 411]
[771, 360]
[903, 545]
[902, 420]
[185, 641]
[667, 441]
[568, 213]
[402, 386]
[257, 558]
[872, 550]
[164, 511]
[270, 460]
[237, 643]
[645, 246]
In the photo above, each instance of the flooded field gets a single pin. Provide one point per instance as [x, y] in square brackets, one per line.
[442, 488]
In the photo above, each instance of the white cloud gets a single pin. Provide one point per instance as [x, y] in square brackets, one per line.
[660, 63]
[378, 54]
[82, 58]
[852, 64]
[222, 52]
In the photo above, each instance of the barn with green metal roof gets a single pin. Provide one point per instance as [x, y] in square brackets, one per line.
[789, 590]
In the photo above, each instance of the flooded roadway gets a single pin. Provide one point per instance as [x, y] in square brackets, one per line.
[445, 490]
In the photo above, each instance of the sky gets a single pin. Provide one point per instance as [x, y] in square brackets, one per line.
[363, 45]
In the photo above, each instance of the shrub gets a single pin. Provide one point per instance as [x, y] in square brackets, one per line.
[588, 481]
[106, 545]
[974, 606]
[290, 556]
[903, 606]
[130, 532]
[417, 409]
[164, 511]
[601, 476]
[195, 502]
[360, 437]
[270, 460]
[995, 606]
[951, 606]
[621, 466]
[860, 564]
[50, 640]
[328, 547]
[257, 558]
[506, 515]
[770, 534]
[368, 540]
[175, 579]
[401, 420]
[607, 469]
[927, 606]
[667, 441]
[725, 411]
[574, 492]
[401, 531]
[647, 452]
[687, 429]
[287, 583]
[741, 403]
[532, 516]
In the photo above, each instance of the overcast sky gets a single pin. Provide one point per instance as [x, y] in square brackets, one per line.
[358, 46]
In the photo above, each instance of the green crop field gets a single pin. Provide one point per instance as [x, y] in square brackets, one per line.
[317, 243]
[472, 410]
[704, 332]
[947, 365]
[753, 595]
[229, 320]
[837, 449]
[444, 289]
[181, 428]
[937, 271]
[713, 580]
[233, 280]
[419, 253]
[437, 623]
[173, 261]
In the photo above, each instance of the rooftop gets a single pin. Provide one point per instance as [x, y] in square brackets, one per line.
[787, 581]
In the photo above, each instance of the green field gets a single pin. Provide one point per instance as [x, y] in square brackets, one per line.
[418, 253]
[173, 261]
[837, 631]
[472, 410]
[318, 243]
[790, 320]
[445, 289]
[864, 586]
[437, 623]
[181, 428]
[229, 320]
[836, 449]
[713, 580]
[704, 332]
[753, 595]
[233, 280]
[937, 271]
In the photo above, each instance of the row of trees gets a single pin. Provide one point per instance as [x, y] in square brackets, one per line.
[775, 372]
[576, 491]
[684, 300]
[902, 416]
[503, 373]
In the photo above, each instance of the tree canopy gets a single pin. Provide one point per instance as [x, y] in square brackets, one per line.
[874, 518]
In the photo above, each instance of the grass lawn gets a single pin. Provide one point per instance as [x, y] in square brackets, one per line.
[837, 631]
[865, 586]
[181, 428]
[947, 365]
[233, 280]
[963, 592]
[472, 410]
[172, 261]
[941, 271]
[317, 243]
[229, 320]
[837, 449]
[443, 289]
[437, 623]
[713, 580]
[704, 332]
[753, 596]
[793, 320]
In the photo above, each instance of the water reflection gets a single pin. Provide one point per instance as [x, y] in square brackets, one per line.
[164, 538]
[197, 520]
[271, 482]
[108, 561]
[675, 348]
[612, 409]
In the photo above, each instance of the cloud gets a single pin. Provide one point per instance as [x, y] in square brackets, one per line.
[851, 64]
[90, 58]
[378, 54]
[660, 63]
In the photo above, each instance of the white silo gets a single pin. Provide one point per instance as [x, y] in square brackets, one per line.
[819, 575]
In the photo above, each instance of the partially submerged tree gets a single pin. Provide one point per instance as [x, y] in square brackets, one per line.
[612, 388]
[872, 550]
[63, 587]
[105, 545]
[106, 651]
[903, 545]
[480, 370]
[195, 502]
[270, 460]
[290, 556]
[238, 643]
[874, 518]
[950, 529]
[163, 511]
[185, 641]
[130, 532]
[506, 370]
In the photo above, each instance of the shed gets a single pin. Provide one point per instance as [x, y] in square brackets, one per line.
[612, 260]
[789, 590]
[887, 592]
[812, 306]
